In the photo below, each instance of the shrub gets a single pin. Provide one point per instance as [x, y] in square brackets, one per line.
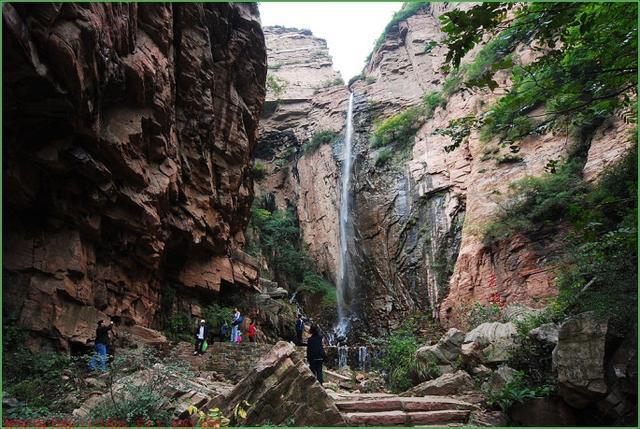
[509, 159]
[535, 202]
[276, 85]
[320, 138]
[25, 373]
[601, 244]
[516, 391]
[332, 82]
[432, 100]
[178, 327]
[355, 78]
[399, 128]
[398, 360]
[259, 171]
[140, 398]
[216, 315]
[317, 285]
[383, 156]
[480, 314]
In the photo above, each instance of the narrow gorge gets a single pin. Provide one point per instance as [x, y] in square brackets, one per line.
[459, 220]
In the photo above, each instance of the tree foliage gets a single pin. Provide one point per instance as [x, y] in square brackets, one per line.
[585, 68]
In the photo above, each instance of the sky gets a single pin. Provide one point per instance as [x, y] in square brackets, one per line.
[350, 29]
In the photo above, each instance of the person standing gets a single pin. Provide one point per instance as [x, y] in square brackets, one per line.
[101, 346]
[235, 324]
[224, 332]
[202, 332]
[315, 353]
[251, 332]
[299, 329]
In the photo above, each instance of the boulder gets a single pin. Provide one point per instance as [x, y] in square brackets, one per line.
[480, 371]
[518, 312]
[497, 340]
[445, 352]
[447, 384]
[579, 359]
[499, 378]
[549, 411]
[547, 333]
[282, 390]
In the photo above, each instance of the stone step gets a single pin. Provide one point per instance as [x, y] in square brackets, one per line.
[401, 418]
[407, 404]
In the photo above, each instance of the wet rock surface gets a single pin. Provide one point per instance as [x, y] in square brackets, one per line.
[129, 131]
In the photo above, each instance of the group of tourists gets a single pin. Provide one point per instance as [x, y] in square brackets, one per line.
[315, 349]
[102, 339]
[235, 336]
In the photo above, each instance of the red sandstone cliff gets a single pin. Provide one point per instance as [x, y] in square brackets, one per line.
[128, 136]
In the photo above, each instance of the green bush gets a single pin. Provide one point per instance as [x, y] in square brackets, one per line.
[480, 314]
[383, 156]
[134, 399]
[276, 85]
[259, 171]
[317, 285]
[216, 315]
[399, 128]
[332, 82]
[320, 138]
[179, 327]
[601, 246]
[355, 78]
[516, 391]
[398, 360]
[432, 100]
[536, 202]
[25, 373]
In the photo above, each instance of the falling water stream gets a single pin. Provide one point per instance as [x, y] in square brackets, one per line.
[343, 290]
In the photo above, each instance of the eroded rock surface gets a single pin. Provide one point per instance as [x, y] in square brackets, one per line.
[129, 131]
[312, 99]
[282, 390]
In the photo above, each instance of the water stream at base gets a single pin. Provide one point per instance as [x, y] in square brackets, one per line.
[343, 287]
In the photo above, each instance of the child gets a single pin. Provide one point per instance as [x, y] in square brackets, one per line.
[239, 337]
[251, 331]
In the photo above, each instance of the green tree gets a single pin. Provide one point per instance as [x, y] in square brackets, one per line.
[586, 70]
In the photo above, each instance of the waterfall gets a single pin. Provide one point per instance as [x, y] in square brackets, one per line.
[343, 289]
[364, 359]
[343, 355]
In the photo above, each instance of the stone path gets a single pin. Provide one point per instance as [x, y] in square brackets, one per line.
[379, 409]
[233, 361]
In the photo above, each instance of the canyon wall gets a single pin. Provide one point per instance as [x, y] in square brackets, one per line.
[306, 96]
[420, 217]
[128, 136]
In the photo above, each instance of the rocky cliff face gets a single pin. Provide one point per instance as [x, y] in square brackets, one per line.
[129, 131]
[419, 219]
[305, 96]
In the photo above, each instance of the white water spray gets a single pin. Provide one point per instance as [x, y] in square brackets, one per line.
[343, 281]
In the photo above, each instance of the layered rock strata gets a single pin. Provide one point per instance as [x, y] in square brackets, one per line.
[305, 96]
[129, 131]
[420, 218]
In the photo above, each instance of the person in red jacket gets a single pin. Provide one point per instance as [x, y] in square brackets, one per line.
[251, 331]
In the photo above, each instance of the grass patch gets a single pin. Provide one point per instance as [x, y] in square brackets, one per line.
[320, 138]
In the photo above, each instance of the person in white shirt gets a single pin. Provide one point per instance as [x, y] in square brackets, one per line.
[202, 332]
